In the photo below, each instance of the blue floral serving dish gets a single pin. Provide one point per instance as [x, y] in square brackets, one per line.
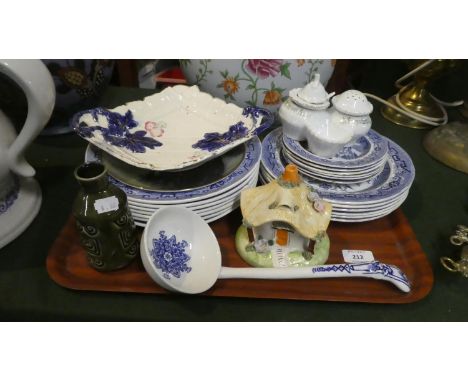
[176, 129]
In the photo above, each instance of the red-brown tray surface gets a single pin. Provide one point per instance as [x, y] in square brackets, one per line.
[391, 239]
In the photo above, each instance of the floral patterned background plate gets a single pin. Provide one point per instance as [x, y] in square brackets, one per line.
[175, 129]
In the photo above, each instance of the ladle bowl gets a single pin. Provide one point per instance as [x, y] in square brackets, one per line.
[181, 253]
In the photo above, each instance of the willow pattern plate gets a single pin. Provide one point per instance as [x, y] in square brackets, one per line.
[248, 165]
[175, 129]
[141, 221]
[366, 151]
[207, 173]
[199, 202]
[207, 205]
[396, 177]
[334, 178]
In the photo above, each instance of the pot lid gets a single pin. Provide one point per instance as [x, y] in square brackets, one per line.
[312, 96]
[352, 102]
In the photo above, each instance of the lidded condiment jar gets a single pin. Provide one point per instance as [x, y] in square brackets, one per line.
[303, 106]
[306, 115]
[313, 96]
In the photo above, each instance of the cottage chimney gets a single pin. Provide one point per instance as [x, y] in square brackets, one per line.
[291, 174]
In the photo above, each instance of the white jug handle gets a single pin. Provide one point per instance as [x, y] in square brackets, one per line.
[35, 80]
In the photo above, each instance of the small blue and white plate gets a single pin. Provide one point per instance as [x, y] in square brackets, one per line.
[395, 179]
[341, 171]
[333, 177]
[366, 151]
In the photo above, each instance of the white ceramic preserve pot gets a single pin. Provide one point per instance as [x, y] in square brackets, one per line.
[306, 115]
[20, 195]
[326, 138]
[304, 107]
[254, 82]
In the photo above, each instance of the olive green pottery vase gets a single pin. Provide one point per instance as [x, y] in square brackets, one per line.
[106, 227]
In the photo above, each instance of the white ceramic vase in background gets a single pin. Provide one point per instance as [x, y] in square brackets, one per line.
[255, 82]
[20, 195]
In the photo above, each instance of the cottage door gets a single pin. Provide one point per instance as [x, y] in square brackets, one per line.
[282, 237]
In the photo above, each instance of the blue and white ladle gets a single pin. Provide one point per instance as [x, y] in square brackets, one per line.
[181, 253]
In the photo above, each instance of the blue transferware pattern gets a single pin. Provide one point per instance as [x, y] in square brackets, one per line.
[367, 268]
[365, 152]
[214, 141]
[255, 113]
[169, 256]
[396, 177]
[369, 184]
[10, 197]
[253, 151]
[118, 131]
[335, 177]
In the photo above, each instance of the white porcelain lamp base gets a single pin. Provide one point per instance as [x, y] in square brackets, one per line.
[16, 217]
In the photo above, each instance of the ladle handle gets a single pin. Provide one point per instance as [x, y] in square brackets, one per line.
[374, 269]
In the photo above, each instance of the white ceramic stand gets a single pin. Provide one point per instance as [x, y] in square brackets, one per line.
[20, 194]
[15, 219]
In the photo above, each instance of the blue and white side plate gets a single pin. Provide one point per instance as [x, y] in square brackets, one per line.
[249, 164]
[366, 151]
[176, 129]
[341, 171]
[395, 179]
[334, 177]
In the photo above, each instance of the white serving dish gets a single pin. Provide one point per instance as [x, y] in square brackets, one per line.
[175, 129]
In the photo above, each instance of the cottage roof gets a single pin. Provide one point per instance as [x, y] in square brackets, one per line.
[290, 204]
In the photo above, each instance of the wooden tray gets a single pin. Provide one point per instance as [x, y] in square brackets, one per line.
[391, 239]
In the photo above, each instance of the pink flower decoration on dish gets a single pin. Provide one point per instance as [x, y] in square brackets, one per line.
[155, 129]
[264, 68]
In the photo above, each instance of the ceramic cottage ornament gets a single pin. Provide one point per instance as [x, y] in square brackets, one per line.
[284, 224]
[307, 115]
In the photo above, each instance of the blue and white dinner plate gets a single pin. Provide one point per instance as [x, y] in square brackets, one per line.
[395, 179]
[244, 170]
[213, 199]
[360, 212]
[141, 221]
[366, 151]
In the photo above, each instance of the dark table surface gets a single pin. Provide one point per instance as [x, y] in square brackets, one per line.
[438, 201]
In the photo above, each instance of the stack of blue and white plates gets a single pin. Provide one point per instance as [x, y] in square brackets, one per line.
[356, 163]
[212, 190]
[365, 181]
